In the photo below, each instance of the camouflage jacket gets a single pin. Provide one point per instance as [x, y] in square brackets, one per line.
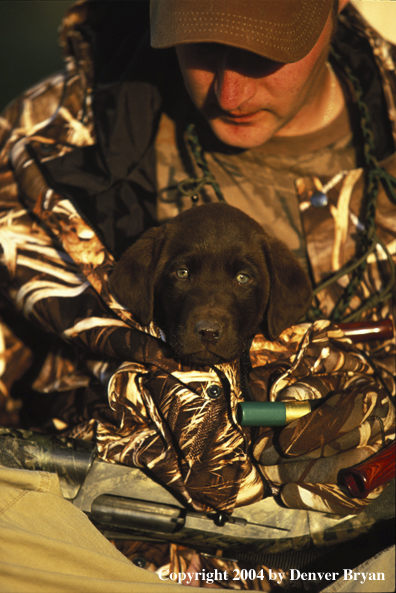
[80, 362]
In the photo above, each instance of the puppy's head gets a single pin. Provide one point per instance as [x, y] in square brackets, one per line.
[211, 278]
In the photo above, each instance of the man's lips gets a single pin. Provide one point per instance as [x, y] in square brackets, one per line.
[212, 111]
[241, 118]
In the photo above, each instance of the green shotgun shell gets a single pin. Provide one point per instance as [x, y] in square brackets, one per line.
[271, 413]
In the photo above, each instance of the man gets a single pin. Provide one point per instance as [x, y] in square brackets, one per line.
[248, 107]
[250, 89]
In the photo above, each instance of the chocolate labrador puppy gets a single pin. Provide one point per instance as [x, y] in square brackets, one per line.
[211, 278]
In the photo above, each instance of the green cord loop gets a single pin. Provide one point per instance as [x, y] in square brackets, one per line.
[368, 237]
[192, 186]
[198, 153]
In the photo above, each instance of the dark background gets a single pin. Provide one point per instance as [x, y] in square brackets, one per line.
[29, 48]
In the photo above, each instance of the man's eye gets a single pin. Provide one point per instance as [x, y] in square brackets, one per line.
[242, 278]
[182, 273]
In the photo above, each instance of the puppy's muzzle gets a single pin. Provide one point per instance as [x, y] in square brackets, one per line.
[208, 332]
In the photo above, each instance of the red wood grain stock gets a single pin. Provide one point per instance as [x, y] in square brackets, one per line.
[363, 478]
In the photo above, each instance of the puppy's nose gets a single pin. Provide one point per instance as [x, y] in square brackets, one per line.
[208, 332]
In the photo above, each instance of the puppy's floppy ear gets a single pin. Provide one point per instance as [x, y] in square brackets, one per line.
[290, 288]
[134, 276]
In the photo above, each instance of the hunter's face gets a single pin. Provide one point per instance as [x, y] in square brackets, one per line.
[247, 99]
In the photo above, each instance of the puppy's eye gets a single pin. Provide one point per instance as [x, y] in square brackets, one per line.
[182, 273]
[242, 278]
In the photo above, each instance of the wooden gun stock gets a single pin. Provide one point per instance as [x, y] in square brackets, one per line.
[365, 331]
[363, 478]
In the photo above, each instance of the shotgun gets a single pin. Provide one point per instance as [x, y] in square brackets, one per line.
[125, 502]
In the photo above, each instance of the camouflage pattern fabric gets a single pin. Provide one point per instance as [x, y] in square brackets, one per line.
[260, 182]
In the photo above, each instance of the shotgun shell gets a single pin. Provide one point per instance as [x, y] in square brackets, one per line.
[271, 413]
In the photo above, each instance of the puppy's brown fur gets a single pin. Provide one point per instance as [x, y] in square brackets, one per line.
[211, 278]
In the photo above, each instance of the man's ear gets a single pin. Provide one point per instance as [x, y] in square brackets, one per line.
[133, 279]
[290, 289]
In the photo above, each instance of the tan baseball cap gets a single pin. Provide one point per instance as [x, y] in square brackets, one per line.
[281, 30]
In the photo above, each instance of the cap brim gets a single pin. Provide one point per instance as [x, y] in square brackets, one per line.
[281, 30]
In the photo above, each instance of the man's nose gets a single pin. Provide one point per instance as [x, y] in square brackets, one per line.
[233, 89]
